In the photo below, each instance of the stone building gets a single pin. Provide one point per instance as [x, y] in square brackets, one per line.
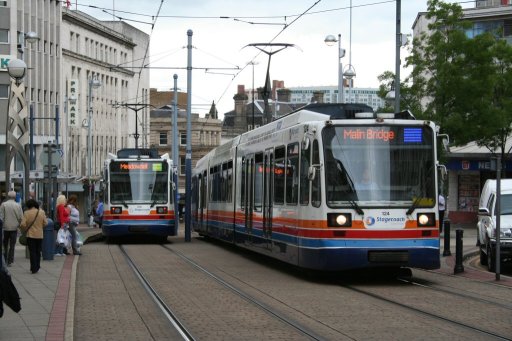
[205, 135]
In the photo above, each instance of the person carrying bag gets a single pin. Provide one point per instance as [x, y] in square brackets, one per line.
[33, 222]
[23, 236]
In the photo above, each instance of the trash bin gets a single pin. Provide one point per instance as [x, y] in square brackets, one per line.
[48, 241]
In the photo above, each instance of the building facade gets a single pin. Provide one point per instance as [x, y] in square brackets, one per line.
[109, 52]
[205, 135]
[42, 81]
[368, 96]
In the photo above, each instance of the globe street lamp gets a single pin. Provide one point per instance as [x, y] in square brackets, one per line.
[17, 132]
[93, 83]
[330, 40]
[349, 73]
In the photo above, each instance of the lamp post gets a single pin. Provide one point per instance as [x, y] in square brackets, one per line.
[93, 83]
[350, 72]
[253, 63]
[331, 40]
[17, 129]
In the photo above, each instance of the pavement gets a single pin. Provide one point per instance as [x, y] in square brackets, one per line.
[48, 297]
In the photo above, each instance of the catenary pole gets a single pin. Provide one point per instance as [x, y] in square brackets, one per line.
[175, 158]
[188, 156]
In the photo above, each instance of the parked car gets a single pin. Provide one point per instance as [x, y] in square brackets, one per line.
[487, 223]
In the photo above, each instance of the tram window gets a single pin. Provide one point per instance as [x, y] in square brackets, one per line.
[292, 180]
[316, 192]
[258, 183]
[229, 182]
[279, 175]
[242, 187]
[203, 190]
[304, 181]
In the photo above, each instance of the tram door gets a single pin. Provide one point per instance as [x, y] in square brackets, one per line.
[268, 171]
[202, 201]
[249, 196]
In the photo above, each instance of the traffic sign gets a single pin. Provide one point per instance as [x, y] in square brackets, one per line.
[57, 154]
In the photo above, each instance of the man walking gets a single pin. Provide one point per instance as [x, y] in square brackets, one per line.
[11, 214]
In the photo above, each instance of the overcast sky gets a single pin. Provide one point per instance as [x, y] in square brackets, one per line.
[219, 42]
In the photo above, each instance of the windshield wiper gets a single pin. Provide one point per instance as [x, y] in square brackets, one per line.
[413, 206]
[356, 207]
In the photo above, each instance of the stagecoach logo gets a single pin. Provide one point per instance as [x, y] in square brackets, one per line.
[369, 221]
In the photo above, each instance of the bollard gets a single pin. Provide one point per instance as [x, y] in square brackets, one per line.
[447, 251]
[48, 241]
[459, 233]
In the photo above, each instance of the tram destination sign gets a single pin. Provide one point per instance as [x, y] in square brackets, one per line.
[127, 166]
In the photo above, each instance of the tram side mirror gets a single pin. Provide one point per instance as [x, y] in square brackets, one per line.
[305, 143]
[445, 140]
[442, 171]
[311, 173]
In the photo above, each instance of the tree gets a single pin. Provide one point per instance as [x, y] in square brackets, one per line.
[463, 82]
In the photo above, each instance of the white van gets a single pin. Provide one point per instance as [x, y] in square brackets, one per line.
[487, 223]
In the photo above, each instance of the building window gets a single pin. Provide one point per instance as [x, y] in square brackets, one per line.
[3, 3]
[4, 36]
[183, 139]
[183, 170]
[4, 91]
[163, 139]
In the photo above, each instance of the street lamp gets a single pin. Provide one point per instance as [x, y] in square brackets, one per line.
[330, 40]
[17, 126]
[93, 83]
[253, 63]
[349, 73]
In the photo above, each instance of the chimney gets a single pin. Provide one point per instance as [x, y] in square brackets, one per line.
[318, 96]
[284, 95]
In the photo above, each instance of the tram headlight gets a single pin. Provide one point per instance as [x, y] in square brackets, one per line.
[339, 220]
[426, 219]
[116, 210]
[161, 210]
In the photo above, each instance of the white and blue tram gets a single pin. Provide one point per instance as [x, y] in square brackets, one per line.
[328, 192]
[138, 194]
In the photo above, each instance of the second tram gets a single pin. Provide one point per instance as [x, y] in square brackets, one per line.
[138, 194]
[326, 192]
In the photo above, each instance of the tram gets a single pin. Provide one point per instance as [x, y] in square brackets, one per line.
[327, 191]
[138, 194]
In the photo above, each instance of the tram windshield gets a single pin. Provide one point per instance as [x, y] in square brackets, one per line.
[379, 166]
[136, 182]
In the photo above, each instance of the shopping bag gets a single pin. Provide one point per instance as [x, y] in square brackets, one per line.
[8, 293]
[79, 240]
[61, 236]
[67, 244]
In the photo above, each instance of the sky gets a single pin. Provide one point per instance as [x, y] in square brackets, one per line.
[222, 29]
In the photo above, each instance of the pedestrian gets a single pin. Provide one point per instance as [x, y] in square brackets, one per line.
[62, 217]
[74, 219]
[33, 222]
[98, 218]
[442, 207]
[11, 215]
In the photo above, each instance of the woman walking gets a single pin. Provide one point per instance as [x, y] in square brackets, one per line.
[33, 222]
[74, 219]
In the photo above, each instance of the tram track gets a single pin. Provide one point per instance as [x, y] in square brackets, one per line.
[458, 293]
[174, 316]
[430, 314]
[219, 293]
[152, 292]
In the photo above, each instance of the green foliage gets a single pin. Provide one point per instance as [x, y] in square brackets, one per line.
[462, 83]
